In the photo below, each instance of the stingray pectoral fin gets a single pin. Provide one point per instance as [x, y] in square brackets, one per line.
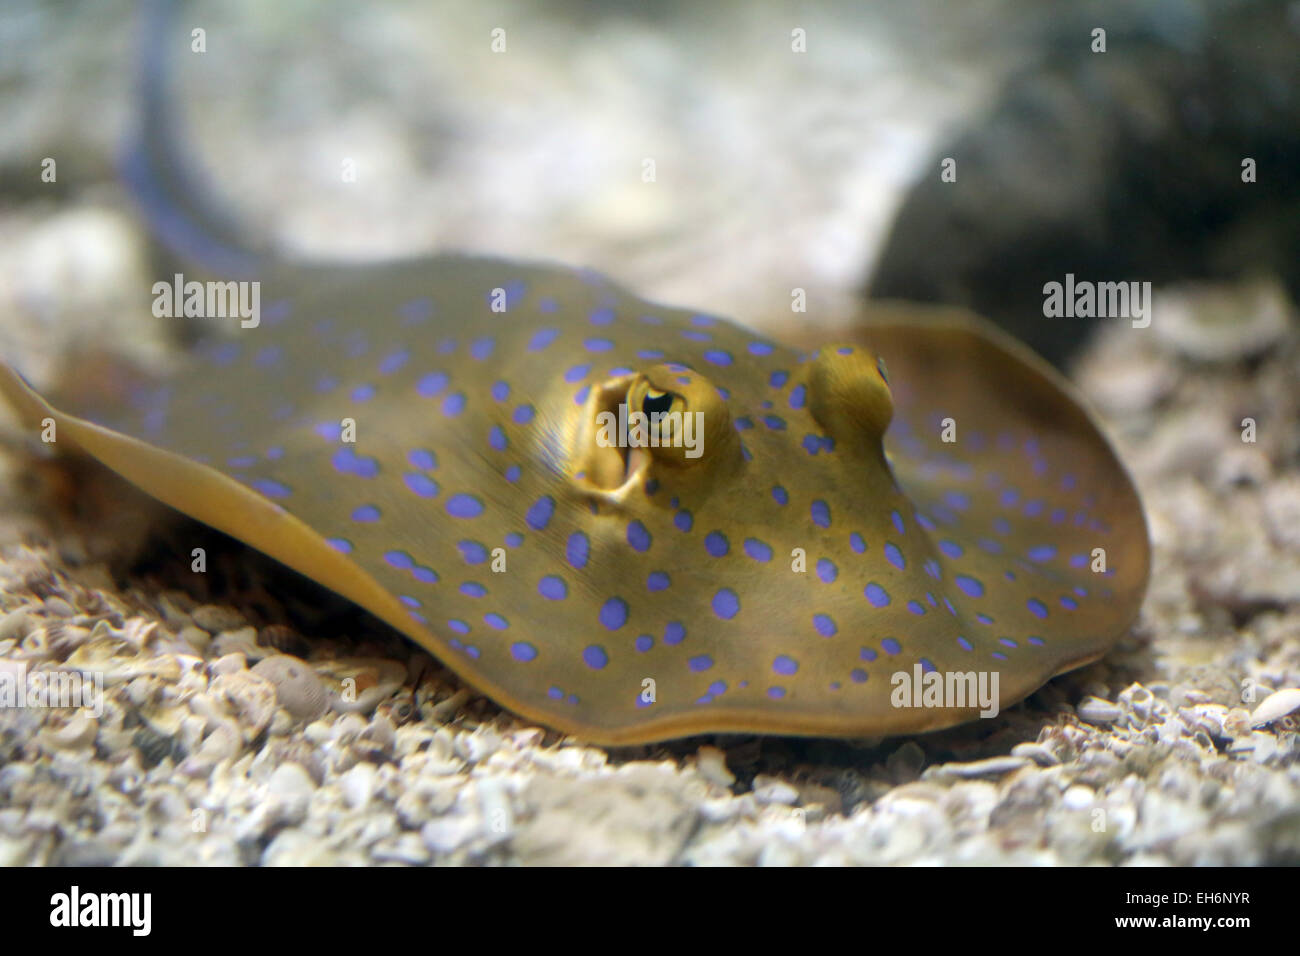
[212, 498]
[216, 500]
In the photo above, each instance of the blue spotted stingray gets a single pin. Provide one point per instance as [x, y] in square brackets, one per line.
[423, 437]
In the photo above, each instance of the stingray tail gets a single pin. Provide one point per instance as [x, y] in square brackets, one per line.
[175, 199]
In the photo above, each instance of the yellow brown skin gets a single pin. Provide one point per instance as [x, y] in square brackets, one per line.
[240, 438]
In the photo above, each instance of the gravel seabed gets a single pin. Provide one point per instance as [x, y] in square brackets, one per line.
[213, 748]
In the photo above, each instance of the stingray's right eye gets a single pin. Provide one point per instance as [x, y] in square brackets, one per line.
[656, 402]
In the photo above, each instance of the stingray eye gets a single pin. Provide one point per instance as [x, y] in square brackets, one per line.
[684, 415]
[656, 402]
[882, 369]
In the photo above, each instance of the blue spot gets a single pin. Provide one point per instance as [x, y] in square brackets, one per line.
[540, 513]
[951, 548]
[366, 513]
[553, 588]
[464, 506]
[890, 646]
[342, 545]
[473, 589]
[512, 473]
[877, 595]
[496, 621]
[577, 549]
[758, 550]
[453, 404]
[348, 462]
[577, 373]
[1036, 607]
[613, 613]
[657, 581]
[857, 543]
[524, 414]
[700, 663]
[473, 551]
[776, 693]
[480, 349]
[497, 438]
[826, 570]
[798, 396]
[774, 422]
[431, 384]
[644, 643]
[715, 542]
[597, 345]
[424, 575]
[1044, 552]
[523, 651]
[898, 521]
[271, 488]
[420, 458]
[542, 338]
[595, 657]
[958, 500]
[781, 496]
[743, 424]
[268, 357]
[638, 536]
[683, 520]
[393, 361]
[821, 514]
[778, 379]
[894, 556]
[601, 317]
[825, 625]
[915, 607]
[674, 632]
[650, 354]
[969, 585]
[422, 485]
[399, 559]
[459, 626]
[500, 391]
[726, 604]
[785, 665]
[760, 348]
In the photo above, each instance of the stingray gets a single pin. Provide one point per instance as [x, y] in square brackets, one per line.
[630, 522]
